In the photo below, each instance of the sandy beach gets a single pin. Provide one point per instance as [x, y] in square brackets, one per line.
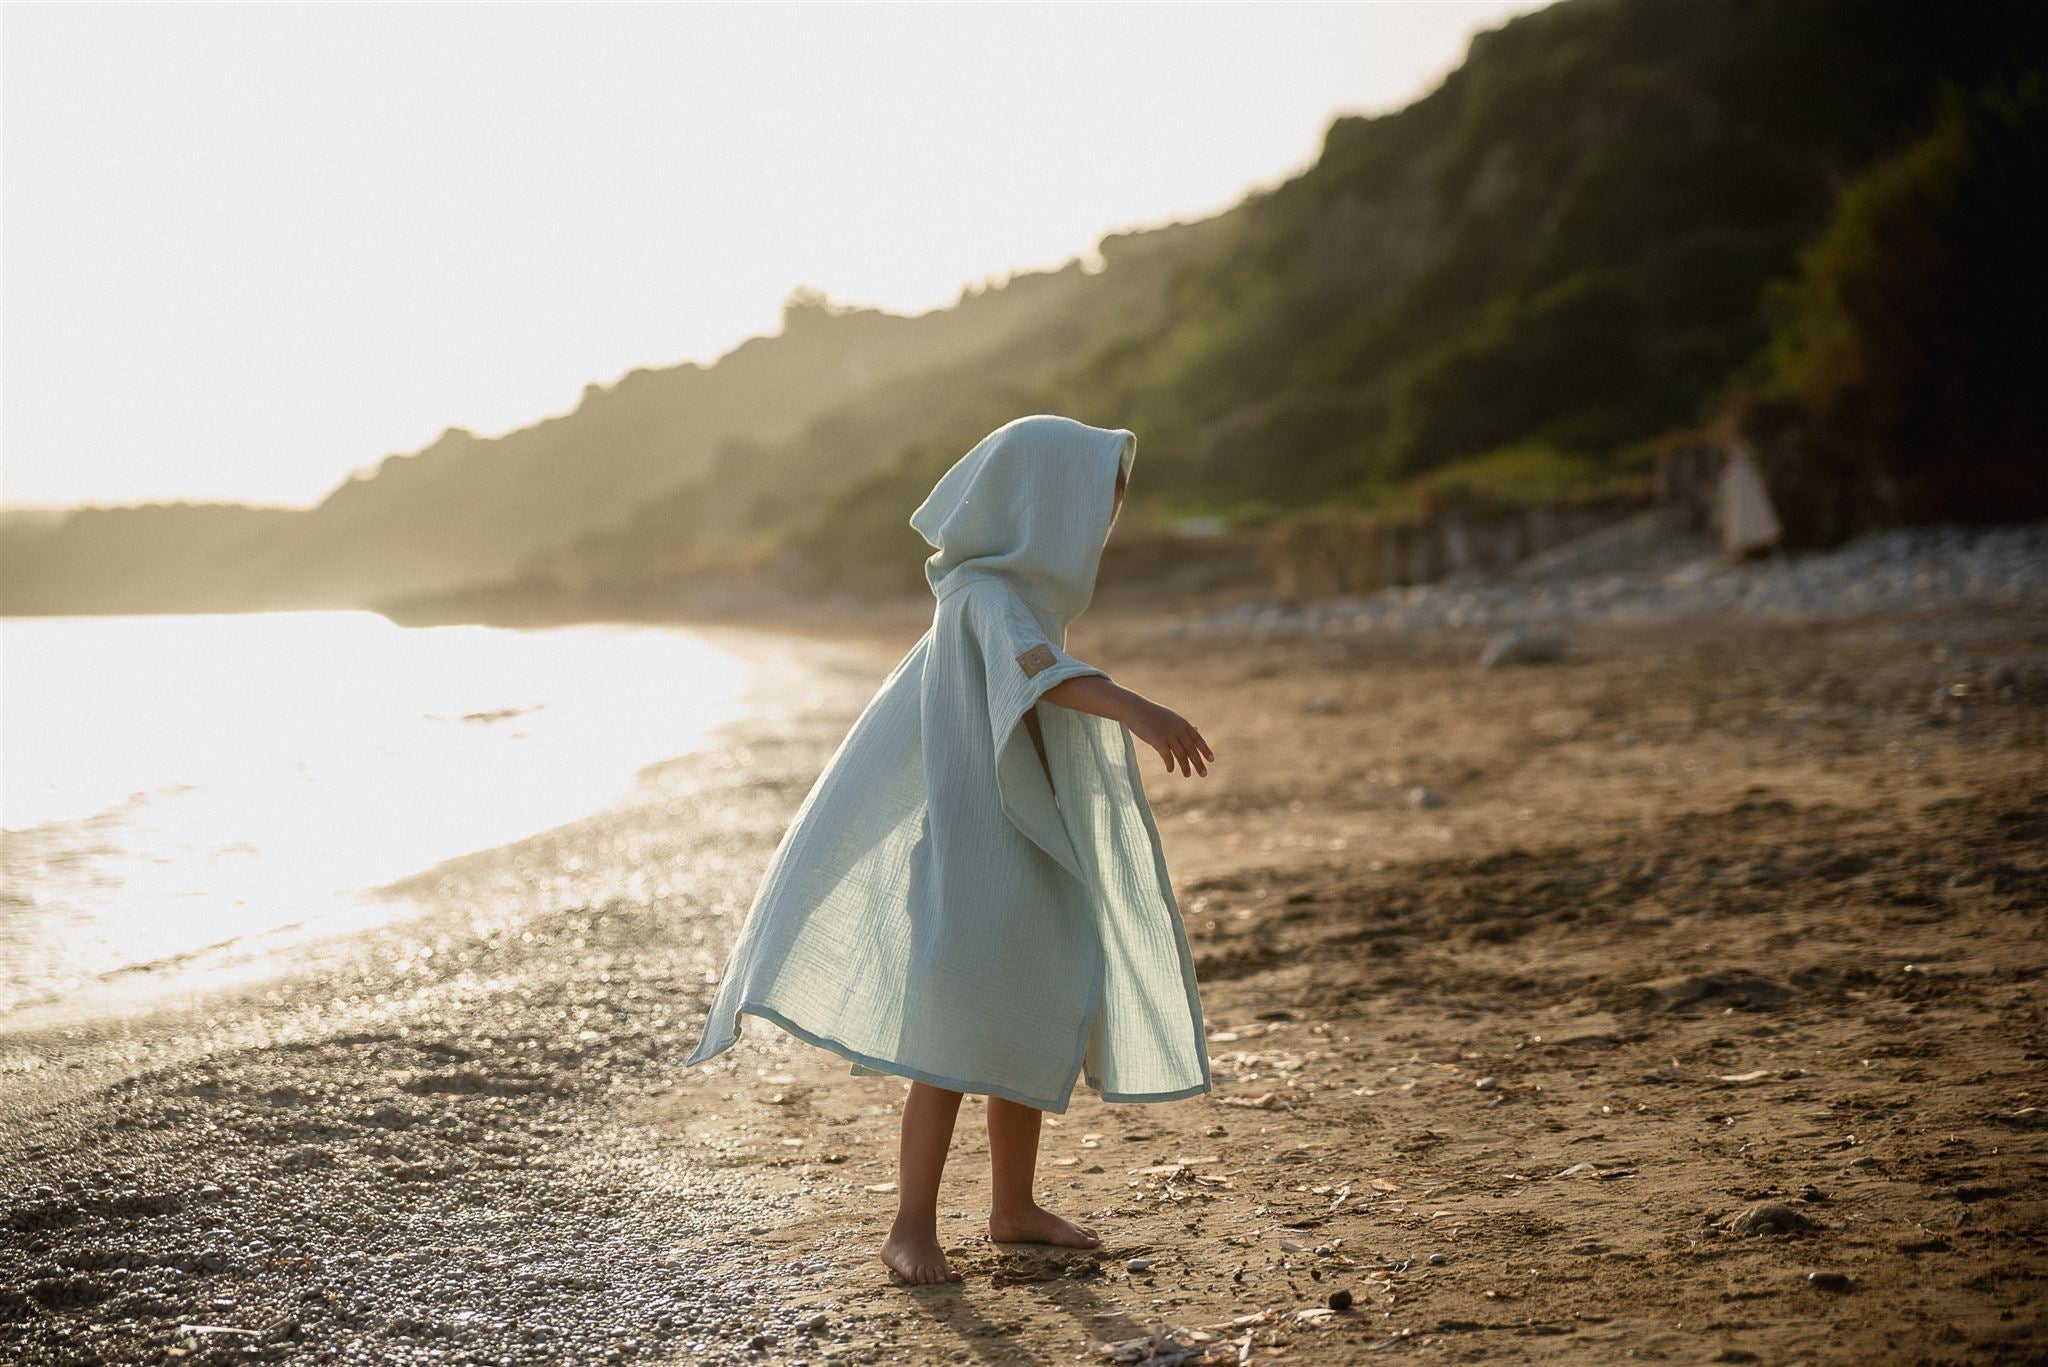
[1676, 1000]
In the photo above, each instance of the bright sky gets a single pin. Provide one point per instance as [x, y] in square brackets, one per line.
[246, 249]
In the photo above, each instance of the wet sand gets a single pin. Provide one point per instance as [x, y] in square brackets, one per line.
[1702, 920]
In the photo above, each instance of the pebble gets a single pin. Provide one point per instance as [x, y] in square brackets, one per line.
[1140, 1264]
[1340, 1300]
[1522, 647]
[1766, 1217]
[1830, 1281]
[1487, 1084]
[1918, 567]
[1437, 1260]
[1426, 799]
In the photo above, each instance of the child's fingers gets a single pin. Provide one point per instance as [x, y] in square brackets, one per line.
[1184, 751]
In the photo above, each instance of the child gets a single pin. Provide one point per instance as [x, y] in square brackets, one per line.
[974, 895]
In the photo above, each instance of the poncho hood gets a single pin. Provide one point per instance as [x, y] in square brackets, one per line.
[1031, 505]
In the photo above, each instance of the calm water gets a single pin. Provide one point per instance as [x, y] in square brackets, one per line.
[173, 787]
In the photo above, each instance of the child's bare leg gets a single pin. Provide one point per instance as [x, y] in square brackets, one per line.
[912, 1247]
[1013, 1215]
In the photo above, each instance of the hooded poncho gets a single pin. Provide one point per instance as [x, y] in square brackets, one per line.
[938, 909]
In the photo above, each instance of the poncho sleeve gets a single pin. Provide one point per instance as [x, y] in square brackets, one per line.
[1020, 662]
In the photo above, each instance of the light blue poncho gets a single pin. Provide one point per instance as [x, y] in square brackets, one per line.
[937, 909]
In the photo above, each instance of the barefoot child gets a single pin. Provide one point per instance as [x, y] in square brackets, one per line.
[974, 895]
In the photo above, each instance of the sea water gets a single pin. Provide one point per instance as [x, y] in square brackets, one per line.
[176, 787]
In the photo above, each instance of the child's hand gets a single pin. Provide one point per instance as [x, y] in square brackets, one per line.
[1162, 728]
[1173, 736]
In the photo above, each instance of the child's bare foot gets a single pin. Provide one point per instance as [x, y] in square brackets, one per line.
[917, 1258]
[1037, 1225]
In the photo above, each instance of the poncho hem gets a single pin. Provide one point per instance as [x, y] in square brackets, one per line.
[1127, 1098]
[895, 1069]
[882, 1067]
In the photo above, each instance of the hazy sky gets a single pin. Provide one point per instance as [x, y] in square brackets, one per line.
[246, 249]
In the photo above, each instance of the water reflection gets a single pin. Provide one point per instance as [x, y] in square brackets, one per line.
[172, 785]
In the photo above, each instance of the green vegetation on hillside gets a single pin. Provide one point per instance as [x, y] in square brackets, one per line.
[1566, 249]
[1906, 370]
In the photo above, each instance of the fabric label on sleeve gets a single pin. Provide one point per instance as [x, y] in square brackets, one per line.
[1035, 659]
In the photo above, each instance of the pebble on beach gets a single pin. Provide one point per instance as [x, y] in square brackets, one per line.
[1522, 647]
[1918, 568]
[1766, 1217]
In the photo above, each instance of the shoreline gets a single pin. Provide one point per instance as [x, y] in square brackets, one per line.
[252, 987]
[1666, 906]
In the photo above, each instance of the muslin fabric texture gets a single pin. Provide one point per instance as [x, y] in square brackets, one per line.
[939, 909]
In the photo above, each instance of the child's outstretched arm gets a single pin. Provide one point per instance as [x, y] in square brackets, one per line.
[1162, 728]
